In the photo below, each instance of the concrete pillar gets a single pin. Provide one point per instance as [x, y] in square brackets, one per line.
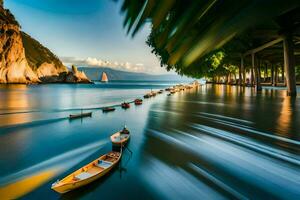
[272, 74]
[252, 81]
[256, 73]
[275, 75]
[289, 64]
[282, 74]
[243, 72]
[266, 72]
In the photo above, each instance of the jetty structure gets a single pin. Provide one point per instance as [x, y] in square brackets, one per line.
[104, 77]
[256, 42]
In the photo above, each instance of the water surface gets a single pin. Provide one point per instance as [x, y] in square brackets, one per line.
[213, 142]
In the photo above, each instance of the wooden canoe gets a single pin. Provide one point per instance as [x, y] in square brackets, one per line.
[108, 109]
[125, 105]
[88, 173]
[138, 101]
[120, 138]
[81, 115]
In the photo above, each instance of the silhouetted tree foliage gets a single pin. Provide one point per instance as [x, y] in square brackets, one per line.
[189, 36]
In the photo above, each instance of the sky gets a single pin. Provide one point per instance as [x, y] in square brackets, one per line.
[86, 32]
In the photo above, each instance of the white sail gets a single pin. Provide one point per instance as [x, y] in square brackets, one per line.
[104, 77]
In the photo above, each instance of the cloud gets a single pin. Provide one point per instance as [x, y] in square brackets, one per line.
[124, 66]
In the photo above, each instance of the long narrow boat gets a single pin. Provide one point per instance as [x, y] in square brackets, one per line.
[81, 115]
[121, 137]
[108, 109]
[88, 173]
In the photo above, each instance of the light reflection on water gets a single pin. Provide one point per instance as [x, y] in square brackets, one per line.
[212, 143]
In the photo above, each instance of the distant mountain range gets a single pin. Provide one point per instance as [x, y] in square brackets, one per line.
[94, 74]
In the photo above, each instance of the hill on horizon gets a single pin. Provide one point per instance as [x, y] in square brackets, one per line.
[94, 74]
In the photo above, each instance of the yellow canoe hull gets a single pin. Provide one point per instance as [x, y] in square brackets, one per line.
[73, 186]
[68, 183]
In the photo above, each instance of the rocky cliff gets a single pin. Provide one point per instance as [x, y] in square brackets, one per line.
[24, 60]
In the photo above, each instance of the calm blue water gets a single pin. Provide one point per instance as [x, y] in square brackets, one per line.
[214, 142]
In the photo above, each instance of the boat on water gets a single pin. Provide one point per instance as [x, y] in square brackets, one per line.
[160, 91]
[88, 173]
[138, 101]
[108, 109]
[104, 78]
[125, 105]
[81, 115]
[146, 96]
[120, 138]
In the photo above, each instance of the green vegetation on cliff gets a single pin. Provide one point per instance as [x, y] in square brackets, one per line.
[37, 54]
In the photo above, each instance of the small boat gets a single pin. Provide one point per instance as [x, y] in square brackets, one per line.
[160, 91]
[121, 137]
[153, 94]
[169, 94]
[88, 173]
[138, 101]
[81, 115]
[146, 96]
[108, 109]
[125, 105]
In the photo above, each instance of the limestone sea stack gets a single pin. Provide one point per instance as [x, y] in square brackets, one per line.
[24, 60]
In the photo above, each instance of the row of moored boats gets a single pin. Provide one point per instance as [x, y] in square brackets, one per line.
[139, 101]
[105, 163]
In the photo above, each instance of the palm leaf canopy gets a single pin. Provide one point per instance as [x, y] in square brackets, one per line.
[188, 30]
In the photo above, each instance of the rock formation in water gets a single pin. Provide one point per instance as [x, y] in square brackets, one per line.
[25, 60]
[76, 76]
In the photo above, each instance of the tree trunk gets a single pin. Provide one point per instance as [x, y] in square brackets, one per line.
[243, 73]
[256, 73]
[240, 75]
[289, 64]
[234, 75]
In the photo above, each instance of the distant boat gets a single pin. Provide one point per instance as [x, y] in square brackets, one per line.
[125, 105]
[146, 96]
[104, 77]
[108, 109]
[81, 115]
[138, 101]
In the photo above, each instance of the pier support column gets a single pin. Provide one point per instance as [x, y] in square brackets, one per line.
[252, 76]
[272, 74]
[289, 64]
[242, 73]
[266, 73]
[256, 73]
[275, 75]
